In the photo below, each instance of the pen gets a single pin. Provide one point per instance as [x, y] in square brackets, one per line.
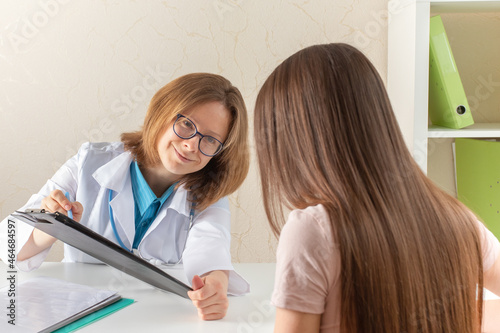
[70, 212]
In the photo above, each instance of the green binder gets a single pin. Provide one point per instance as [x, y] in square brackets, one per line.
[448, 106]
[477, 165]
[99, 314]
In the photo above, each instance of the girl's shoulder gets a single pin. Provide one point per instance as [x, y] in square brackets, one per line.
[309, 224]
[317, 212]
[316, 215]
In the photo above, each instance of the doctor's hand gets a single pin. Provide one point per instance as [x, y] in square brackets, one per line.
[57, 202]
[210, 295]
[39, 240]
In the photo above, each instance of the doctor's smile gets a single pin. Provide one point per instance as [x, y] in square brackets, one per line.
[181, 157]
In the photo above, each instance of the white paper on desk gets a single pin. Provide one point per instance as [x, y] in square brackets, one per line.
[42, 302]
[6, 327]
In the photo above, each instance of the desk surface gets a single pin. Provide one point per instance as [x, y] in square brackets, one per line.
[155, 310]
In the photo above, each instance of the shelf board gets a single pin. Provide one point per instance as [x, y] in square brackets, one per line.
[478, 130]
[463, 6]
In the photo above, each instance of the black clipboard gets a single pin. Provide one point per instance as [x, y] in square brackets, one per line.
[86, 240]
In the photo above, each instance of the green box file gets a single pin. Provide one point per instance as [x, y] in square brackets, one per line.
[448, 106]
[95, 316]
[477, 164]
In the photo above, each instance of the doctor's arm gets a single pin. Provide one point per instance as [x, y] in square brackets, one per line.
[39, 240]
[207, 253]
[37, 243]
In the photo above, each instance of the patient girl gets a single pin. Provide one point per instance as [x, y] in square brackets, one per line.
[371, 244]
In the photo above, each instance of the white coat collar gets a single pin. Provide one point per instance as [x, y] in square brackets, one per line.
[179, 201]
[115, 173]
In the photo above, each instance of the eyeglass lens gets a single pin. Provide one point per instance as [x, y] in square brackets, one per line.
[186, 129]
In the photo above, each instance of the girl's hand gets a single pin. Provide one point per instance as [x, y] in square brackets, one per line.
[210, 295]
[57, 202]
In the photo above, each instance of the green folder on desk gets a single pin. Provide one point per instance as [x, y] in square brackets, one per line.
[448, 104]
[99, 314]
[477, 164]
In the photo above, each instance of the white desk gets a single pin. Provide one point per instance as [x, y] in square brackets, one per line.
[158, 311]
[155, 310]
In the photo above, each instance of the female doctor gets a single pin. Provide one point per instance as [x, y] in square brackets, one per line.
[161, 191]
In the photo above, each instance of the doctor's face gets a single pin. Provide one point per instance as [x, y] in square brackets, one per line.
[182, 156]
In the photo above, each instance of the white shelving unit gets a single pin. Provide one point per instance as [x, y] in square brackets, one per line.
[478, 130]
[408, 75]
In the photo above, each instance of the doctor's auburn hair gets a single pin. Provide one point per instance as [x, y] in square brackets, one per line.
[410, 254]
[227, 170]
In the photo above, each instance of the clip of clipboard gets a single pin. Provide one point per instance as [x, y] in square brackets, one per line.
[86, 240]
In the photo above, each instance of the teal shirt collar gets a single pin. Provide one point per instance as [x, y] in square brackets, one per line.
[143, 195]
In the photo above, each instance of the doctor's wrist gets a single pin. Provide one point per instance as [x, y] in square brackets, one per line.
[37, 242]
[221, 276]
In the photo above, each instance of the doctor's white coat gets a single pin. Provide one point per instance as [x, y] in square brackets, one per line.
[100, 167]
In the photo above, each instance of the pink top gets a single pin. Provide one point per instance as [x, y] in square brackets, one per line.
[308, 265]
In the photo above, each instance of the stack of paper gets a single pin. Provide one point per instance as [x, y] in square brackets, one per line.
[45, 304]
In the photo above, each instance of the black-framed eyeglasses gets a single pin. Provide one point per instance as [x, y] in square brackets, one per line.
[186, 129]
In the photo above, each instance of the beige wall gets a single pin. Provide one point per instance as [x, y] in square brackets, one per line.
[76, 71]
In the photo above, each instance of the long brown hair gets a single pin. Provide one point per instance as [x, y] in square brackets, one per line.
[410, 254]
[226, 171]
